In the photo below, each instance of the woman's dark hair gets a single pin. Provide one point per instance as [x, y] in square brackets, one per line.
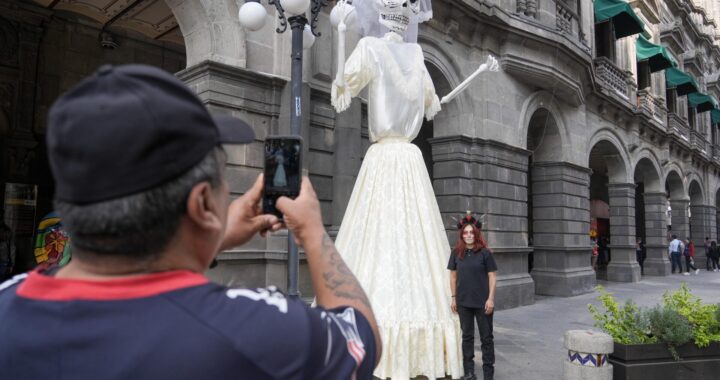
[460, 246]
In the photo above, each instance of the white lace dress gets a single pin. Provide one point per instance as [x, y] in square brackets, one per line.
[392, 235]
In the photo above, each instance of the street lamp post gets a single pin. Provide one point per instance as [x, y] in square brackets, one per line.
[252, 16]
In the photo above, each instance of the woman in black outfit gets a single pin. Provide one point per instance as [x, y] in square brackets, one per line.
[472, 283]
[714, 255]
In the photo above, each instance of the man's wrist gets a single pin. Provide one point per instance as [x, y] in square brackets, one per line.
[313, 235]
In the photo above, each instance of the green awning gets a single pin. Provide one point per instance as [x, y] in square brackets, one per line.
[621, 14]
[682, 82]
[657, 56]
[702, 102]
[715, 116]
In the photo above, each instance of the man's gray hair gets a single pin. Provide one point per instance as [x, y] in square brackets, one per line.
[138, 225]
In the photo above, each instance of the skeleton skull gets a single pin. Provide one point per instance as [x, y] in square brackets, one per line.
[395, 14]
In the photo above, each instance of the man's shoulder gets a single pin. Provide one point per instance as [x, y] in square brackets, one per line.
[242, 304]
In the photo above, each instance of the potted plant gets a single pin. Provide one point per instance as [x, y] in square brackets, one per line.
[678, 339]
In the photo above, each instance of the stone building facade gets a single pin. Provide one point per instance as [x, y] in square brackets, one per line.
[572, 135]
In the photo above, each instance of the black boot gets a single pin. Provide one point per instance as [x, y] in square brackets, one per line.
[469, 376]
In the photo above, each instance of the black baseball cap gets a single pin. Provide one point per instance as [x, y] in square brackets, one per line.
[126, 129]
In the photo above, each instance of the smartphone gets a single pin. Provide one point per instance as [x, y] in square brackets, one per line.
[283, 169]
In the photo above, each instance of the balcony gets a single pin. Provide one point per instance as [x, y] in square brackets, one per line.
[678, 126]
[652, 106]
[611, 77]
[698, 142]
[716, 153]
[566, 19]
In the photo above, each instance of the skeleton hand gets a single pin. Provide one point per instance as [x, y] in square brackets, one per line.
[341, 14]
[492, 63]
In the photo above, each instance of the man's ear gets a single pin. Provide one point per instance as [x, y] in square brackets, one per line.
[203, 209]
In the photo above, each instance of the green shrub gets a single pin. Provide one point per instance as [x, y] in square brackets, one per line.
[681, 318]
[702, 317]
[669, 327]
[626, 324]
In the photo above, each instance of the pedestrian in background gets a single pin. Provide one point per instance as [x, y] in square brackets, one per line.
[708, 259]
[139, 182]
[472, 283]
[675, 249]
[640, 254]
[593, 254]
[689, 254]
[714, 256]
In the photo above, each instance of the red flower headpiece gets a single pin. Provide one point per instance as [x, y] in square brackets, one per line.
[469, 219]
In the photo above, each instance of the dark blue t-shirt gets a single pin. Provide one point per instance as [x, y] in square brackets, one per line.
[173, 325]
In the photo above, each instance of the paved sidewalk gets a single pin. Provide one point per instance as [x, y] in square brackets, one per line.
[529, 339]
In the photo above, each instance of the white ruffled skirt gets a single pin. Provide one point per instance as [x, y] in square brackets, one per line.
[392, 237]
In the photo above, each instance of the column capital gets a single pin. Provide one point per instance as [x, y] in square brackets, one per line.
[655, 194]
[680, 201]
[618, 185]
[703, 206]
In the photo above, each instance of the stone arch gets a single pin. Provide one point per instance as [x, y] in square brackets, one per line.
[544, 137]
[445, 118]
[606, 143]
[211, 31]
[695, 190]
[541, 100]
[674, 183]
[446, 66]
[647, 170]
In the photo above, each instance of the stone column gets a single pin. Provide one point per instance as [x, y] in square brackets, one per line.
[348, 156]
[211, 31]
[657, 262]
[679, 218]
[717, 224]
[488, 178]
[256, 98]
[702, 224]
[623, 266]
[561, 214]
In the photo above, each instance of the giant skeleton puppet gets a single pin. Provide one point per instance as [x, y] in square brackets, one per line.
[392, 235]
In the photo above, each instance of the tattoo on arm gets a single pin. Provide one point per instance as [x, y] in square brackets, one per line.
[340, 279]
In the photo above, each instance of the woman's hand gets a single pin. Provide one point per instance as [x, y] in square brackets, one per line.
[489, 307]
[453, 305]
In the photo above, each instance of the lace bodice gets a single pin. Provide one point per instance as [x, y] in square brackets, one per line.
[400, 91]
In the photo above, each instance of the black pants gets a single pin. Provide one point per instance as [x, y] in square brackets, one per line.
[640, 259]
[689, 264]
[468, 316]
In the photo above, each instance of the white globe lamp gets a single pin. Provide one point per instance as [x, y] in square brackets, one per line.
[252, 15]
[295, 7]
[308, 37]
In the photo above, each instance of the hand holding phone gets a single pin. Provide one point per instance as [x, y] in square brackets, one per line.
[283, 168]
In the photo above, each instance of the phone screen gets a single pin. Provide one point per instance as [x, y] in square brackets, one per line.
[282, 170]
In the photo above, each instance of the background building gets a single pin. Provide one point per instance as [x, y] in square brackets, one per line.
[581, 130]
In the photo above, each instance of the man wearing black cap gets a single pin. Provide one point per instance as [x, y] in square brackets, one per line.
[138, 170]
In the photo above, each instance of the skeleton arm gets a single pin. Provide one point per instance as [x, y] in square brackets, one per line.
[340, 95]
[491, 64]
[340, 14]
